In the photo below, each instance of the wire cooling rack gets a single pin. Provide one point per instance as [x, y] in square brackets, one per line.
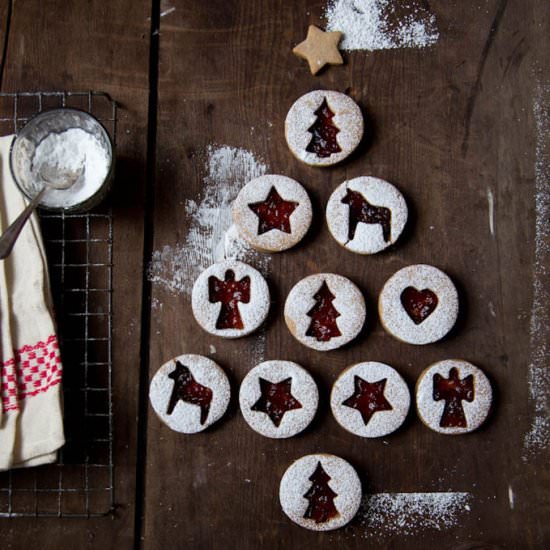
[80, 256]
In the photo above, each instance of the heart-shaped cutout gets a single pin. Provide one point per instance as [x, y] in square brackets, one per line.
[419, 304]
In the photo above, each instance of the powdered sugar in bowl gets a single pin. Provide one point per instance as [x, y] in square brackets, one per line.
[71, 140]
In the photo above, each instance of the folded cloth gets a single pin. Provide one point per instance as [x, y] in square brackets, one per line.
[31, 423]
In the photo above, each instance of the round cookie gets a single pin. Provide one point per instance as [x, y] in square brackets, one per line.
[278, 399]
[323, 127]
[370, 399]
[366, 214]
[453, 397]
[189, 393]
[272, 213]
[230, 299]
[325, 311]
[320, 492]
[418, 304]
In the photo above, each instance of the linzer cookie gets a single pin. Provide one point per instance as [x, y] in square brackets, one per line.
[230, 299]
[320, 492]
[366, 214]
[418, 304]
[278, 398]
[370, 399]
[453, 397]
[325, 311]
[272, 213]
[323, 127]
[189, 393]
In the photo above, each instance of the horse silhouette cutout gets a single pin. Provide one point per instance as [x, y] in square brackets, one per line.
[361, 211]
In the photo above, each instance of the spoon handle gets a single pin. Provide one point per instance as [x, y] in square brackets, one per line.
[8, 238]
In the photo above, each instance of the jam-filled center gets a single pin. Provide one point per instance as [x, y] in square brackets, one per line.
[321, 497]
[276, 399]
[361, 211]
[419, 304]
[229, 292]
[368, 398]
[453, 390]
[273, 213]
[323, 315]
[323, 133]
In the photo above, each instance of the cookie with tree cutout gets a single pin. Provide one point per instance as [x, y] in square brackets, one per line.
[325, 311]
[370, 399]
[278, 399]
[320, 492]
[418, 304]
[189, 393]
[453, 397]
[323, 127]
[272, 213]
[230, 299]
[366, 214]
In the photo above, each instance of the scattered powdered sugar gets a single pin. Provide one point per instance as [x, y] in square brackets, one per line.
[211, 237]
[389, 514]
[538, 437]
[381, 24]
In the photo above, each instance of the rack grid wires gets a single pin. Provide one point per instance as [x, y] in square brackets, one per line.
[80, 255]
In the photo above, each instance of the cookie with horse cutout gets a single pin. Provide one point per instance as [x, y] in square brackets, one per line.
[418, 304]
[366, 214]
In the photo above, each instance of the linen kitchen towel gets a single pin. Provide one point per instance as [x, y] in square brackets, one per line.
[31, 423]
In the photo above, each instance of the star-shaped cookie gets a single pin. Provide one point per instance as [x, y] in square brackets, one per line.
[320, 48]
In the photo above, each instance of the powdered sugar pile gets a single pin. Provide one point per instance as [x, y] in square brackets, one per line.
[388, 514]
[381, 24]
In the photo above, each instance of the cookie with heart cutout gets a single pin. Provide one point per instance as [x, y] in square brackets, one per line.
[418, 304]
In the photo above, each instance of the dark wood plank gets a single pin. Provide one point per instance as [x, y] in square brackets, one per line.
[101, 46]
[447, 125]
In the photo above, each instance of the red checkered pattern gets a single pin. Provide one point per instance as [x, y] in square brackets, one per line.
[32, 370]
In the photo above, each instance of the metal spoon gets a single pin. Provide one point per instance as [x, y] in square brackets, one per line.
[54, 177]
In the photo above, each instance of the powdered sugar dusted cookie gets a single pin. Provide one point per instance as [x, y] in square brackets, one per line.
[325, 311]
[418, 304]
[453, 397]
[320, 492]
[366, 214]
[370, 399]
[230, 299]
[323, 127]
[272, 213]
[278, 398]
[189, 393]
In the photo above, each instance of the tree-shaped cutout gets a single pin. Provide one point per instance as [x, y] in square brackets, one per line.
[321, 497]
[273, 213]
[229, 292]
[361, 211]
[276, 400]
[323, 133]
[419, 304]
[368, 398]
[453, 390]
[187, 389]
[323, 315]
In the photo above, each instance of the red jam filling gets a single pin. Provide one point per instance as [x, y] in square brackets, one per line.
[323, 133]
[321, 497]
[419, 304]
[229, 292]
[453, 390]
[323, 315]
[361, 211]
[276, 400]
[187, 389]
[368, 398]
[273, 213]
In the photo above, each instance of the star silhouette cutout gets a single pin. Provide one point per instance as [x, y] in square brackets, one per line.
[368, 398]
[320, 48]
[273, 213]
[276, 400]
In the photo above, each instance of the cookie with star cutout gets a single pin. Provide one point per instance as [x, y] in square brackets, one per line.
[189, 393]
[370, 399]
[453, 397]
[278, 399]
[272, 213]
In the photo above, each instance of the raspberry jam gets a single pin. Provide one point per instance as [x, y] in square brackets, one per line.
[323, 133]
[229, 292]
[321, 497]
[368, 398]
[273, 213]
[323, 315]
[453, 390]
[276, 400]
[361, 211]
[419, 304]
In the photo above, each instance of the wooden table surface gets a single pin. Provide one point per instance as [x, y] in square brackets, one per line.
[457, 126]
